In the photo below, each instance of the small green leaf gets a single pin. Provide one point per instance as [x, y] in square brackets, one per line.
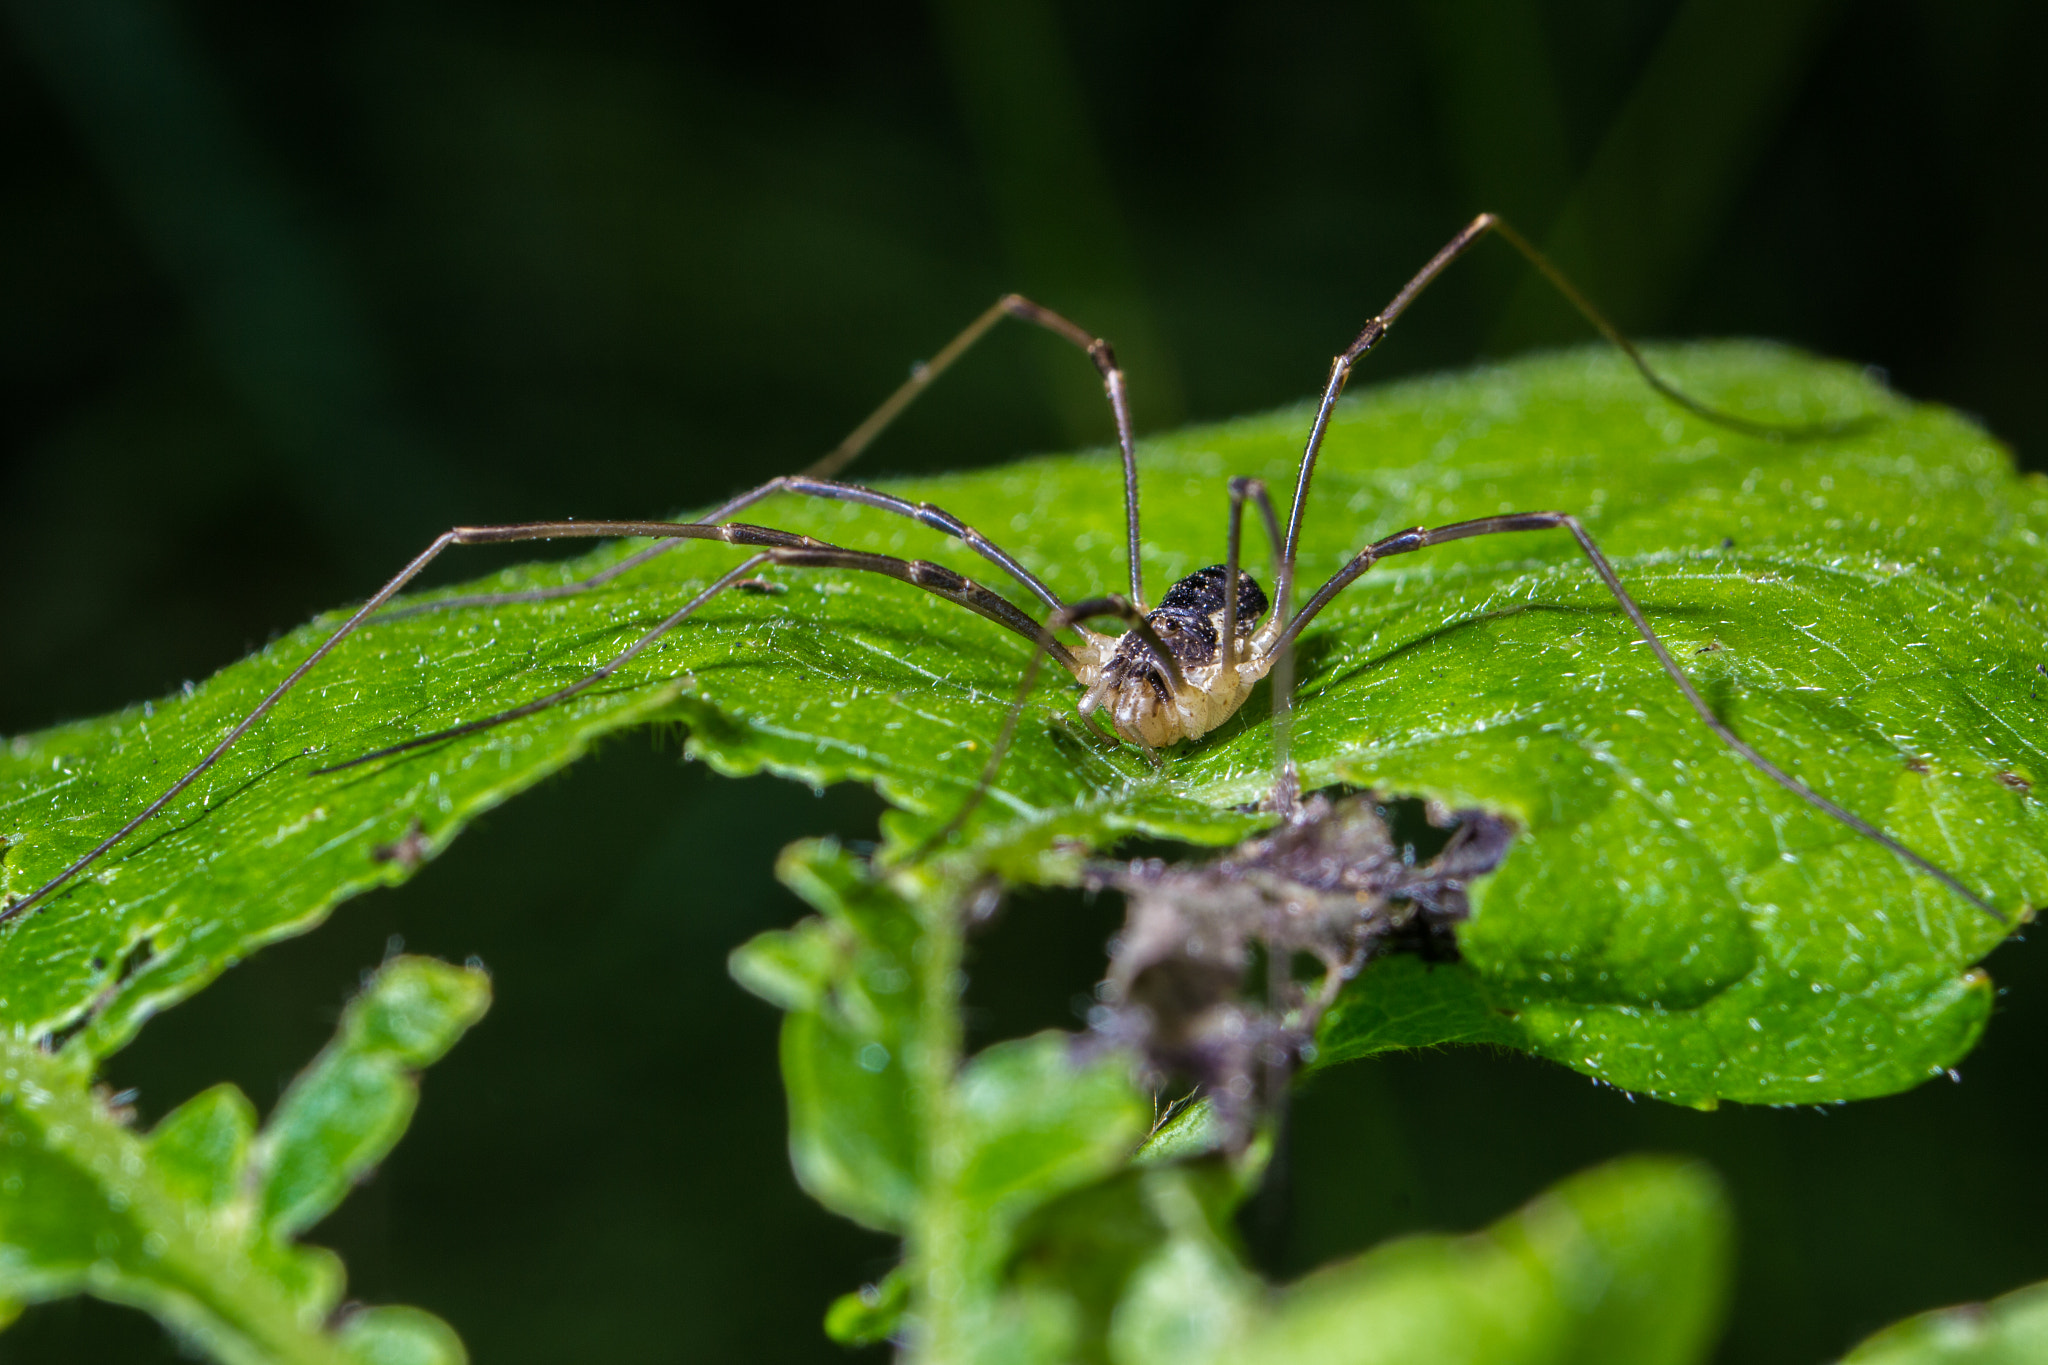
[886, 1127]
[1148, 1261]
[347, 1110]
[400, 1336]
[201, 1148]
[850, 1134]
[1189, 1295]
[792, 969]
[2010, 1330]
[1030, 1120]
[1036, 1120]
[871, 1313]
[849, 984]
[172, 1223]
[1625, 1265]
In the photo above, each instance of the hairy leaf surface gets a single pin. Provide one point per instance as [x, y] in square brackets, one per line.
[1867, 608]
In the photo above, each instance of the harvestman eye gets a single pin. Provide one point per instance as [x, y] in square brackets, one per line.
[1178, 671]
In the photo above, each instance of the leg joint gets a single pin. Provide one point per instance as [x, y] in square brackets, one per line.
[926, 574]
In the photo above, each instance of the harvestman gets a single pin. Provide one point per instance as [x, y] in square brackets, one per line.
[1180, 669]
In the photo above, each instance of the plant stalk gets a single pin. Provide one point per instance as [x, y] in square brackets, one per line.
[938, 1244]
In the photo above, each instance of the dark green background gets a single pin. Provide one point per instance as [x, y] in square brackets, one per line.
[288, 289]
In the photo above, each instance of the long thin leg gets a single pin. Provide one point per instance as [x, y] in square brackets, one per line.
[1023, 309]
[841, 455]
[583, 684]
[924, 513]
[790, 551]
[1232, 554]
[1119, 608]
[787, 548]
[1376, 330]
[1112, 385]
[921, 376]
[816, 480]
[1423, 537]
[347, 628]
[818, 555]
[1281, 674]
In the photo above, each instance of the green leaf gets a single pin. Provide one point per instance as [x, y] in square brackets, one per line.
[201, 1148]
[889, 1126]
[192, 1223]
[1146, 1263]
[1027, 1120]
[2011, 1330]
[398, 1335]
[1190, 1294]
[1624, 1265]
[348, 1109]
[1037, 1119]
[1867, 608]
[1404, 1002]
[849, 983]
[871, 1313]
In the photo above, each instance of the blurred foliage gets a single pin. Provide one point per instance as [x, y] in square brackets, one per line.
[1623, 1264]
[1033, 1235]
[292, 289]
[2010, 1330]
[197, 1221]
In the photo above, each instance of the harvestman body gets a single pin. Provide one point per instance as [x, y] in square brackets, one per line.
[1179, 670]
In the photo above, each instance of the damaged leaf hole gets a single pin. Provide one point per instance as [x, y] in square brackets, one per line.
[132, 962]
[1223, 968]
[1050, 941]
[407, 851]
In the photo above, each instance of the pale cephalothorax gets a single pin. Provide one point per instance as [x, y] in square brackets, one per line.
[1180, 669]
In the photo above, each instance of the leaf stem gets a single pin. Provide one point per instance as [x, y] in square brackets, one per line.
[938, 1250]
